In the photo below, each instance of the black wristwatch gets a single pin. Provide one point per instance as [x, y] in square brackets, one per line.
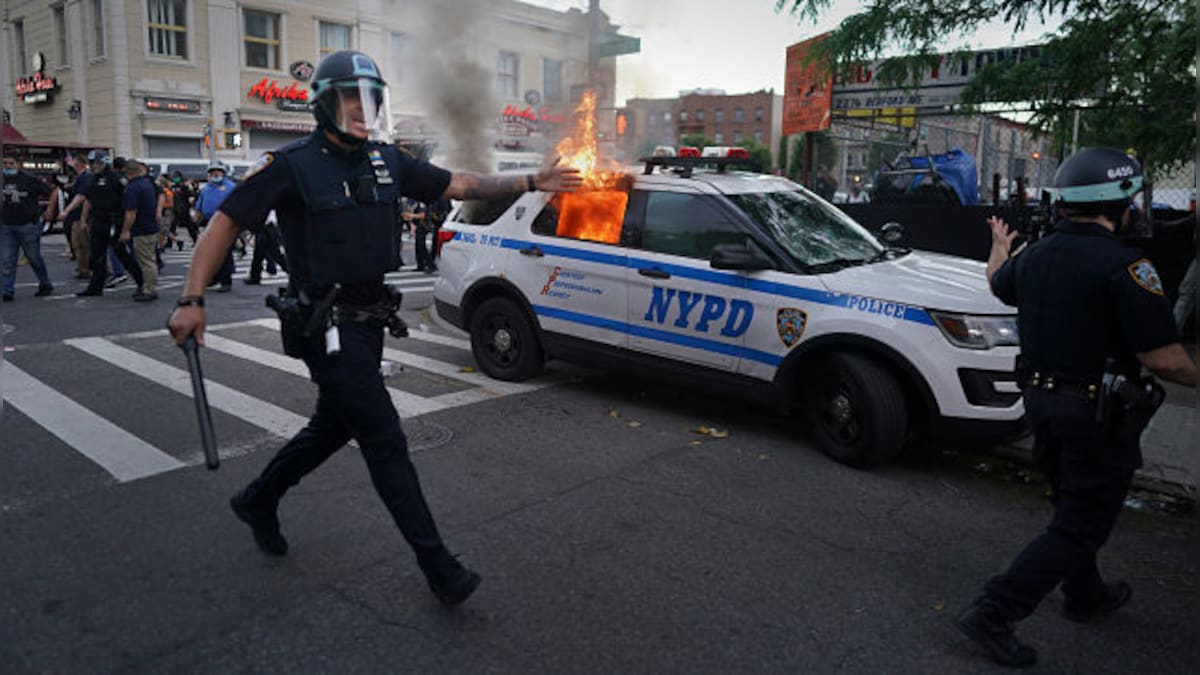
[190, 301]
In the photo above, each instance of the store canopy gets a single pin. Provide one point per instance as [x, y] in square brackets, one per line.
[12, 136]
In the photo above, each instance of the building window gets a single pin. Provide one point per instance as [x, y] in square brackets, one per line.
[506, 75]
[20, 61]
[59, 14]
[719, 138]
[699, 115]
[737, 137]
[758, 137]
[334, 37]
[719, 115]
[167, 23]
[739, 115]
[667, 117]
[97, 28]
[758, 114]
[683, 116]
[397, 52]
[552, 81]
[262, 39]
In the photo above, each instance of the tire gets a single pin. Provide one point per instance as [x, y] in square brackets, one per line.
[856, 410]
[504, 342]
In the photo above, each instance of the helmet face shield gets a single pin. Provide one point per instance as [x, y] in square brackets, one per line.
[358, 107]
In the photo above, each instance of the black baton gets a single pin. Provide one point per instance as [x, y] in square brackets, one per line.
[207, 436]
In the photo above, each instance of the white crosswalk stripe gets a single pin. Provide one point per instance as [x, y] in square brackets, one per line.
[116, 440]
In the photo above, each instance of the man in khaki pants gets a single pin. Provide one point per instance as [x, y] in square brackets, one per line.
[141, 226]
[72, 220]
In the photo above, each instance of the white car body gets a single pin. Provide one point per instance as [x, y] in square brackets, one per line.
[630, 305]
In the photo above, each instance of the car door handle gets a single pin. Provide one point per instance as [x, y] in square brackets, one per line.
[533, 251]
[654, 273]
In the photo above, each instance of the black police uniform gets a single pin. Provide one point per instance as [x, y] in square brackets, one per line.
[104, 193]
[1083, 297]
[335, 211]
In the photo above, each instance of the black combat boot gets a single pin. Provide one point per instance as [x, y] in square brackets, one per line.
[258, 512]
[982, 623]
[1115, 595]
[448, 579]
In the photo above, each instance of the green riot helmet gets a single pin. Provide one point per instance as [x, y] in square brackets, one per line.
[350, 97]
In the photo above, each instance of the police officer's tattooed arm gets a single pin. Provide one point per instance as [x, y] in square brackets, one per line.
[554, 177]
[208, 255]
[1170, 363]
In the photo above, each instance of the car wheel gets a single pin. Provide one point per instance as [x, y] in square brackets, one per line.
[504, 342]
[856, 410]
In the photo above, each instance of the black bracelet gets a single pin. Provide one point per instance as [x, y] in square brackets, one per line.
[190, 301]
[530, 183]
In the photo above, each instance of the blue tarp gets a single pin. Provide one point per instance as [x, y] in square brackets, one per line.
[955, 167]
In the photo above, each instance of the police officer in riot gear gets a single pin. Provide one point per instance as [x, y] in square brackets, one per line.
[1091, 313]
[104, 216]
[334, 194]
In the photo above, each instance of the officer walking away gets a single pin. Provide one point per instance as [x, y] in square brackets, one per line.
[102, 213]
[266, 250]
[21, 230]
[140, 227]
[207, 202]
[1091, 312]
[334, 195]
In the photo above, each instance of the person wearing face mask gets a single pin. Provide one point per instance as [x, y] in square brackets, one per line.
[1091, 313]
[207, 202]
[21, 230]
[334, 195]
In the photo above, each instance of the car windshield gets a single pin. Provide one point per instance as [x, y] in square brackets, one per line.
[814, 233]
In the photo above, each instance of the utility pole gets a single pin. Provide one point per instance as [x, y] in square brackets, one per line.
[593, 37]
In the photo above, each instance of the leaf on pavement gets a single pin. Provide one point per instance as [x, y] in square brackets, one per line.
[466, 369]
[695, 443]
[614, 413]
[634, 424]
[711, 432]
[940, 606]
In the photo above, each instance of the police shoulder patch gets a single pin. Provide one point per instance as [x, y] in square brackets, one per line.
[1146, 276]
[262, 163]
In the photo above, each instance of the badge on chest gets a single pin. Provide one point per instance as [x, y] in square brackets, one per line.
[382, 175]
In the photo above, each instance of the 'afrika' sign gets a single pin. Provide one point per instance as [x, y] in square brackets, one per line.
[268, 90]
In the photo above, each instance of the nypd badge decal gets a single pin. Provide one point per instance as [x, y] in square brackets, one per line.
[790, 323]
[1146, 276]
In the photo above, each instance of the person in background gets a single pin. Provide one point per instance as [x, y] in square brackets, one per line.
[103, 213]
[207, 203]
[140, 227]
[266, 250]
[21, 230]
[72, 222]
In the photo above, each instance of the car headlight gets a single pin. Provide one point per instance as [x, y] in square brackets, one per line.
[977, 332]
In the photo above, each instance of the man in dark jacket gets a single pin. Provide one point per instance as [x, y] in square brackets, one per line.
[22, 230]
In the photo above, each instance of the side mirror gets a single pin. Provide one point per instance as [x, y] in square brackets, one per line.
[734, 257]
[892, 232]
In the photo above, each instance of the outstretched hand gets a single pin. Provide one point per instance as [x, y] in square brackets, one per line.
[558, 177]
[1002, 237]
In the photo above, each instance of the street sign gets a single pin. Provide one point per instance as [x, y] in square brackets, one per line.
[615, 44]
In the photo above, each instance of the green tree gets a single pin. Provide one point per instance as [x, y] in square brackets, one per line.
[759, 153]
[695, 140]
[827, 153]
[1128, 66]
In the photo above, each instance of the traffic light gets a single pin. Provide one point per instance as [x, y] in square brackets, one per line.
[1037, 155]
[621, 123]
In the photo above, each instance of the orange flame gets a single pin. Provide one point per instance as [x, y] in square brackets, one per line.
[597, 211]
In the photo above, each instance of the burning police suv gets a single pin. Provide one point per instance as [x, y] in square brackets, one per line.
[744, 281]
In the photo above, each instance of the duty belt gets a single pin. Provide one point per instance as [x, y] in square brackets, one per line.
[1063, 383]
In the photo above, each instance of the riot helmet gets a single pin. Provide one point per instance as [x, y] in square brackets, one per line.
[100, 158]
[1097, 180]
[350, 97]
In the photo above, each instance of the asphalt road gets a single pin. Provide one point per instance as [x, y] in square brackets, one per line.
[612, 536]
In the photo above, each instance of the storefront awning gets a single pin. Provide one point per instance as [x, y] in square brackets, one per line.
[12, 136]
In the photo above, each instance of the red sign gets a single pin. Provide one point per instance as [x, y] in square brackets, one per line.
[30, 87]
[807, 91]
[268, 90]
[528, 117]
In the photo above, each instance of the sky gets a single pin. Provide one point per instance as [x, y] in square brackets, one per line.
[735, 45]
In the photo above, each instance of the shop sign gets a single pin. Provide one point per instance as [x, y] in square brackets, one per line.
[178, 105]
[268, 90]
[276, 125]
[36, 88]
[528, 119]
[302, 70]
[288, 105]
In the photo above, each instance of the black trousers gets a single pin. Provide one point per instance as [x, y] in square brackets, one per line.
[101, 234]
[421, 248]
[266, 249]
[1089, 477]
[353, 403]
